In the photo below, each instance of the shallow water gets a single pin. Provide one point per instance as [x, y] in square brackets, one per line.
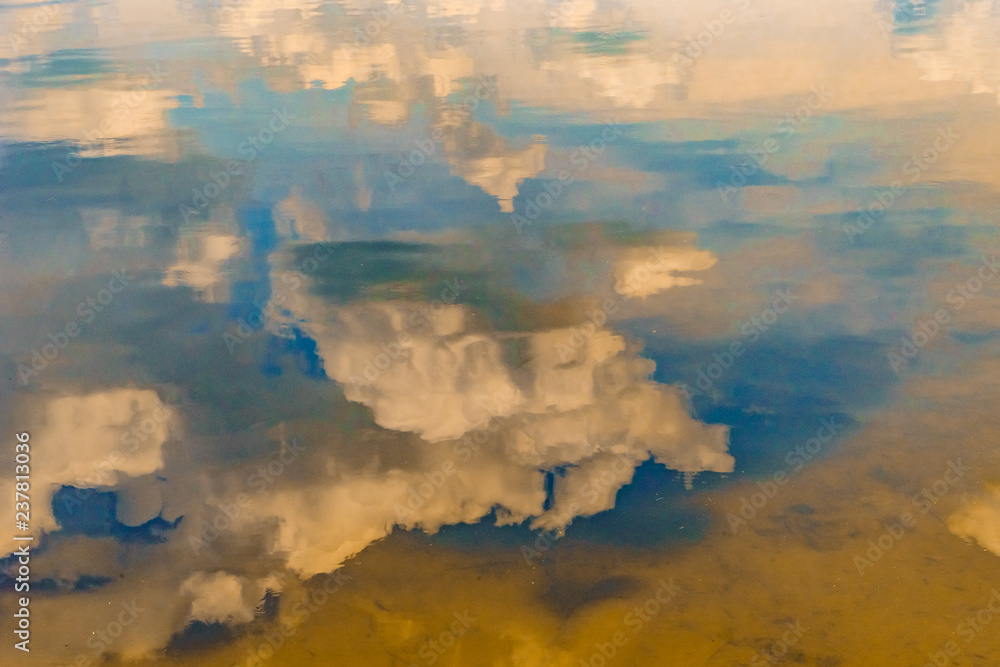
[501, 333]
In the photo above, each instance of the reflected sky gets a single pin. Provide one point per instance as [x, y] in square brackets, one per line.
[502, 332]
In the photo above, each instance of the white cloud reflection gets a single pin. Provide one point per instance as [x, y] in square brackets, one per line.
[577, 401]
[470, 421]
[979, 519]
[93, 441]
[642, 272]
[201, 264]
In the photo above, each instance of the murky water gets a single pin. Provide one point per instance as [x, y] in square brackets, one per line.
[572, 333]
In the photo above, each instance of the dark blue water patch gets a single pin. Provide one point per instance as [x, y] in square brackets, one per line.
[46, 585]
[88, 582]
[28, 167]
[581, 190]
[848, 162]
[975, 337]
[249, 301]
[942, 240]
[779, 362]
[249, 298]
[765, 444]
[83, 584]
[706, 167]
[257, 224]
[653, 511]
[550, 486]
[866, 203]
[779, 374]
[777, 394]
[199, 636]
[903, 256]
[921, 229]
[80, 511]
[300, 348]
[66, 68]
[851, 229]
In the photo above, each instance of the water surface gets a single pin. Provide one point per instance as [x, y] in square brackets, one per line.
[502, 333]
